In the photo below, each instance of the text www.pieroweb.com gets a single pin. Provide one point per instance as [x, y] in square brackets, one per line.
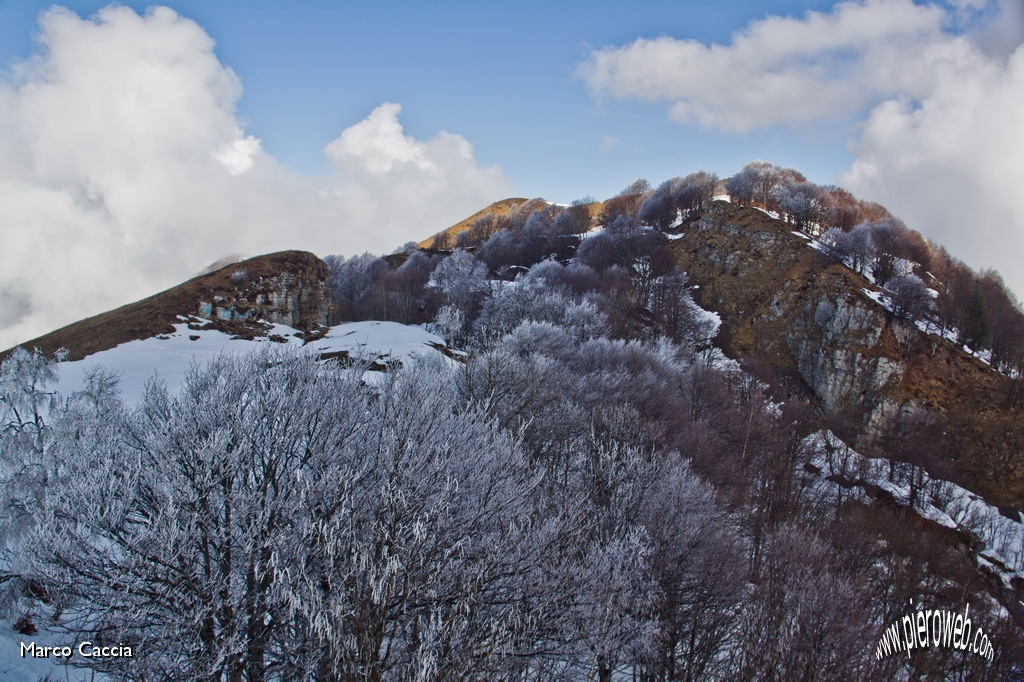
[934, 628]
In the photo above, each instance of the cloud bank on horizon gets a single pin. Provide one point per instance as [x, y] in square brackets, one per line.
[124, 167]
[933, 96]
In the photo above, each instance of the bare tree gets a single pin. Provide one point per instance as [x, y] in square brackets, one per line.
[911, 299]
[803, 205]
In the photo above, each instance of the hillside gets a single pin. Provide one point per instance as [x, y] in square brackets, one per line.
[794, 310]
[498, 208]
[288, 287]
[737, 429]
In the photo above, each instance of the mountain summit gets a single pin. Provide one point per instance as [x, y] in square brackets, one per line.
[704, 430]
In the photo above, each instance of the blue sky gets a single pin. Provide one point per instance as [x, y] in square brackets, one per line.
[500, 74]
[142, 144]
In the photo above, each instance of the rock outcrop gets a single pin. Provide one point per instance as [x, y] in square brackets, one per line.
[794, 309]
[283, 288]
[288, 287]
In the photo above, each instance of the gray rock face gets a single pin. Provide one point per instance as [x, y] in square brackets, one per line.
[293, 291]
[294, 303]
[785, 301]
[839, 350]
[808, 320]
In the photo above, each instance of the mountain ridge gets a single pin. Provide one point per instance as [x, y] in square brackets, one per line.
[809, 318]
[785, 306]
[269, 281]
[839, 428]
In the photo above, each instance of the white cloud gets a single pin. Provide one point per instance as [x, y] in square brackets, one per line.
[950, 165]
[940, 105]
[778, 71]
[405, 188]
[124, 169]
[238, 155]
[378, 144]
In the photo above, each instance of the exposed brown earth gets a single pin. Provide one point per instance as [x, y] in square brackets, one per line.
[288, 286]
[807, 317]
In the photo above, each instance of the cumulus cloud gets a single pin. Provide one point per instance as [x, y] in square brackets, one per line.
[394, 180]
[950, 164]
[124, 169]
[777, 70]
[937, 91]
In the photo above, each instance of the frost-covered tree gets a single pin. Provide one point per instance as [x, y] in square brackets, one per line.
[755, 183]
[25, 395]
[451, 324]
[678, 197]
[910, 297]
[683, 320]
[695, 192]
[163, 529]
[575, 219]
[625, 203]
[419, 568]
[499, 252]
[279, 519]
[461, 279]
[854, 248]
[481, 229]
[28, 406]
[803, 205]
[644, 253]
[404, 291]
[354, 285]
[530, 300]
[698, 563]
[808, 618]
[659, 208]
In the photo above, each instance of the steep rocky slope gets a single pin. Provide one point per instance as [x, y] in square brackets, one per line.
[809, 321]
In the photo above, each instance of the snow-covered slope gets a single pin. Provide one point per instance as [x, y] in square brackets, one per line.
[1000, 531]
[169, 356]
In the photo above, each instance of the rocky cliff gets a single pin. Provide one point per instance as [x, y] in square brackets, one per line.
[790, 308]
[284, 288]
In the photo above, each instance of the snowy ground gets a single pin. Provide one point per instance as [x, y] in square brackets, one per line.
[14, 668]
[168, 357]
[940, 501]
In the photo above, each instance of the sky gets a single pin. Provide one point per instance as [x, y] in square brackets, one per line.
[140, 143]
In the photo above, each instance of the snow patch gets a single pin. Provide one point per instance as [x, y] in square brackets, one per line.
[770, 214]
[14, 668]
[678, 221]
[879, 298]
[943, 502]
[169, 357]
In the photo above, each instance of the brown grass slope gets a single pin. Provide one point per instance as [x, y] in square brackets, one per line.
[502, 208]
[154, 315]
[498, 208]
[777, 299]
